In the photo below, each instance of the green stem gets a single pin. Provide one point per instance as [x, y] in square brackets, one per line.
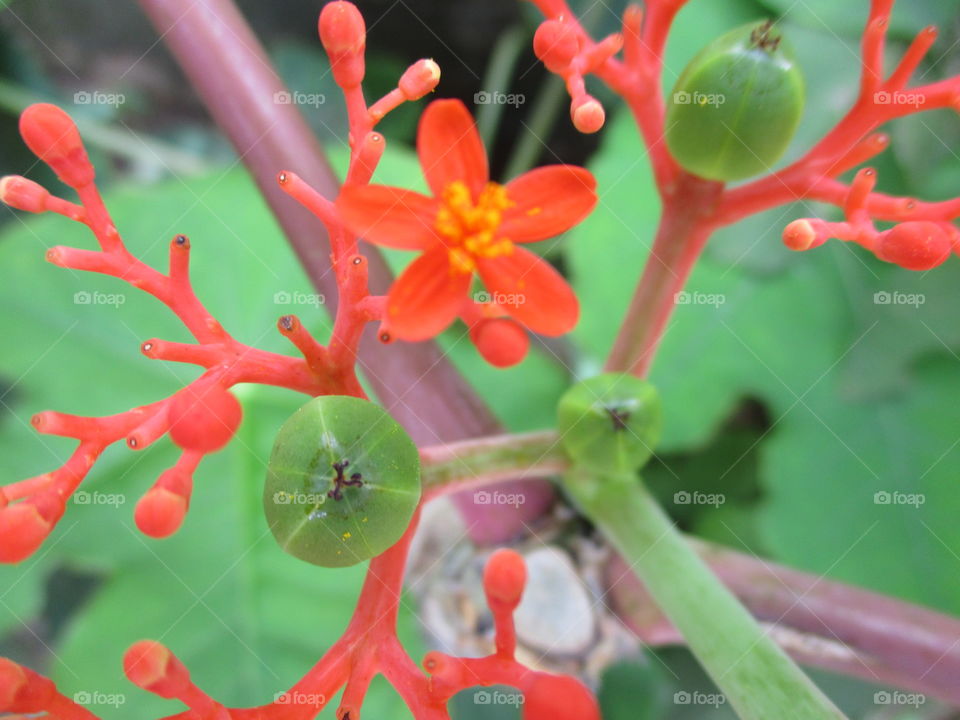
[758, 678]
[497, 79]
[536, 131]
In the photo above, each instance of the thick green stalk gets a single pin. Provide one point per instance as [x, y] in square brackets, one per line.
[759, 679]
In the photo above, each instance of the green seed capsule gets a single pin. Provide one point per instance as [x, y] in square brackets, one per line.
[736, 105]
[611, 422]
[343, 482]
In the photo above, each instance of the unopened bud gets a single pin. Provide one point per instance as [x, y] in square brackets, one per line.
[23, 194]
[914, 245]
[419, 79]
[556, 44]
[501, 341]
[504, 577]
[587, 115]
[53, 137]
[344, 37]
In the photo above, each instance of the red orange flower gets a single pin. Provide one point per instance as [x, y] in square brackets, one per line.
[471, 225]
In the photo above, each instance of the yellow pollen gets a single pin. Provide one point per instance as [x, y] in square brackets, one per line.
[468, 228]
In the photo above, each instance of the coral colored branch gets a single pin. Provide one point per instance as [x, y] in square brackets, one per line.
[231, 72]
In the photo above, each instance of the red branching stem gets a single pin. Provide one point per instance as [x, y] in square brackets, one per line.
[924, 239]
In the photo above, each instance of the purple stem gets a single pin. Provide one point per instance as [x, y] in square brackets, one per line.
[232, 74]
[820, 622]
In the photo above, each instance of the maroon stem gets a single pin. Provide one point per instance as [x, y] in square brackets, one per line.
[685, 227]
[232, 74]
[820, 622]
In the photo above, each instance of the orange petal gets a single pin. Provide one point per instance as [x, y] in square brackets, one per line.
[389, 216]
[548, 201]
[531, 291]
[426, 297]
[450, 147]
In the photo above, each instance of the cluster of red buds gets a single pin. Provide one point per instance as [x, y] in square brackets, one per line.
[153, 667]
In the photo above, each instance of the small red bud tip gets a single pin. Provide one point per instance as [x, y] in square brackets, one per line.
[501, 341]
[22, 530]
[344, 37]
[204, 422]
[12, 680]
[587, 115]
[915, 245]
[504, 577]
[556, 44]
[799, 235]
[148, 664]
[23, 194]
[52, 136]
[559, 697]
[419, 79]
[160, 512]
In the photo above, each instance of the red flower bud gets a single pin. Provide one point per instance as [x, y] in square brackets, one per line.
[587, 114]
[915, 245]
[23, 194]
[151, 666]
[559, 697]
[204, 421]
[504, 577]
[802, 235]
[419, 79]
[12, 680]
[501, 341]
[344, 37]
[556, 44]
[22, 530]
[160, 512]
[52, 136]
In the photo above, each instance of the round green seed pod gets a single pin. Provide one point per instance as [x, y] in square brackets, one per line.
[342, 483]
[610, 423]
[737, 105]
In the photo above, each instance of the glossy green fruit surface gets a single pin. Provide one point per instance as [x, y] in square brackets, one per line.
[736, 106]
[342, 483]
[610, 423]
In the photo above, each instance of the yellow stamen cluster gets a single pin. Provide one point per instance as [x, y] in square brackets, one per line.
[470, 229]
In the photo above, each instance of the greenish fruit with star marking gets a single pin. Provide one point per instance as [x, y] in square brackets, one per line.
[343, 482]
[610, 423]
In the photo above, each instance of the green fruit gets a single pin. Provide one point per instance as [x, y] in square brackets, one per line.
[610, 423]
[343, 482]
[736, 105]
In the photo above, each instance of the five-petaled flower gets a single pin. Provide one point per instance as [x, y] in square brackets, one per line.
[471, 225]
